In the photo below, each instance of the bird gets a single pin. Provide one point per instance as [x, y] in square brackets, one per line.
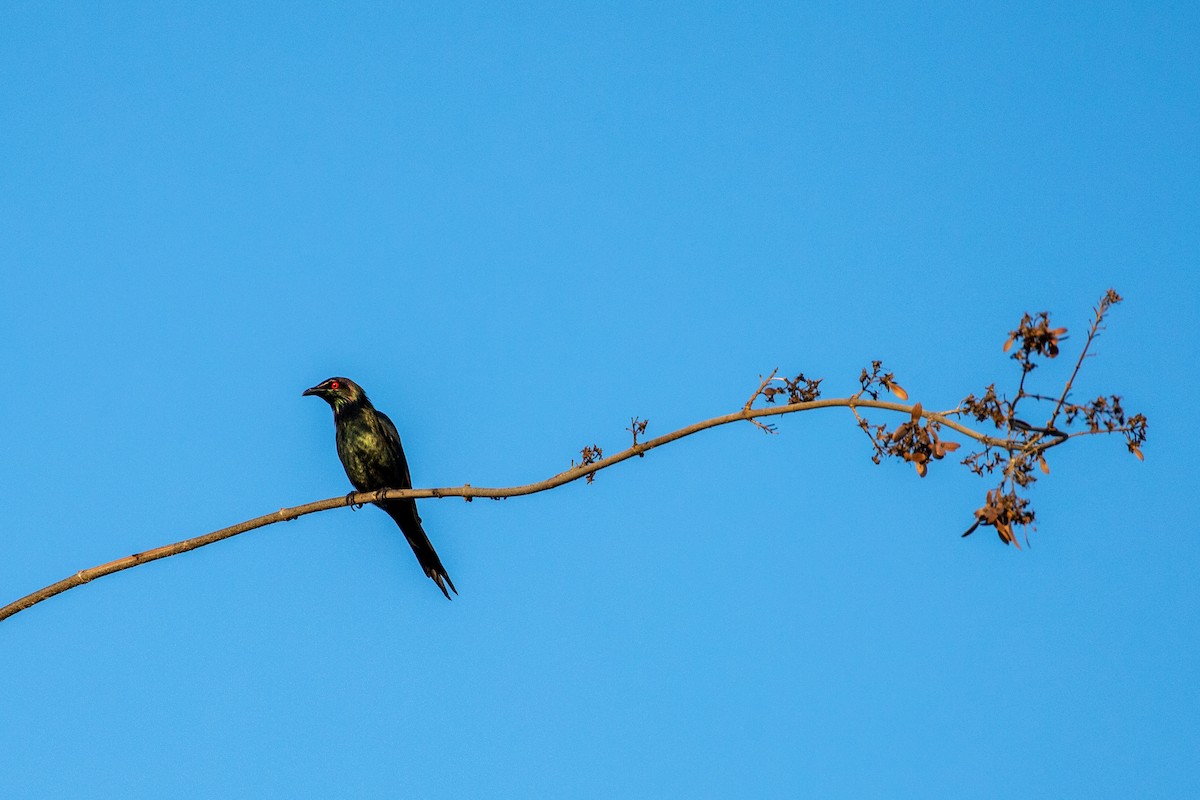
[368, 445]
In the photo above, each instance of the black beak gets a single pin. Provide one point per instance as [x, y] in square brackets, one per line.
[314, 390]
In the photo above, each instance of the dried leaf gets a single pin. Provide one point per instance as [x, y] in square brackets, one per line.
[916, 413]
[1044, 466]
[949, 447]
[897, 390]
[922, 469]
[1137, 452]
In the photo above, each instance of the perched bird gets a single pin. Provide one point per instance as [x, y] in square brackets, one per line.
[369, 446]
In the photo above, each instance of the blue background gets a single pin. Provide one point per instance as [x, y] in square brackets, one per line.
[518, 227]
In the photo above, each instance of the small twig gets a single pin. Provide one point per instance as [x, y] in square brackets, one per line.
[757, 393]
[1101, 309]
[637, 426]
[760, 388]
[863, 424]
[1012, 407]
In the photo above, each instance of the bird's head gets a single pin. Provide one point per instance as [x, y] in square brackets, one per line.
[338, 392]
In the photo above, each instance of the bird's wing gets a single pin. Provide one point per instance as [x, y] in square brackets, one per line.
[392, 436]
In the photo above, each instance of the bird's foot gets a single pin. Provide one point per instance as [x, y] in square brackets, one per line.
[353, 506]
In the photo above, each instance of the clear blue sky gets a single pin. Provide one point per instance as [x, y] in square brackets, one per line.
[517, 228]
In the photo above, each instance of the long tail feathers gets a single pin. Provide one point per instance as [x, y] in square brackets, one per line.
[404, 512]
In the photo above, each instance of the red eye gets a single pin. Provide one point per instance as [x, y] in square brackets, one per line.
[334, 385]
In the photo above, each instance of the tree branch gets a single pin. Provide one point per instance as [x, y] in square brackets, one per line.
[469, 492]
[917, 441]
[1100, 310]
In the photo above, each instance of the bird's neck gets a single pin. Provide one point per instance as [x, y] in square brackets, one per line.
[351, 409]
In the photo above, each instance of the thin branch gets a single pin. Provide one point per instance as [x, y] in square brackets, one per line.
[863, 425]
[1101, 309]
[469, 492]
[757, 393]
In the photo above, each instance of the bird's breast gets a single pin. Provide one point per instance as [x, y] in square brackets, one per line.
[365, 457]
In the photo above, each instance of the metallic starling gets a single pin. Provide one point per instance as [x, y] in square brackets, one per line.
[369, 446]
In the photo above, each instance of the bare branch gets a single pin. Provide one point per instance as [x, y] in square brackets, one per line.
[917, 440]
[760, 388]
[757, 393]
[584, 470]
[1110, 299]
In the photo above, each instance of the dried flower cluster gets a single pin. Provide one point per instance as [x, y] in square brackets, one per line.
[797, 390]
[1024, 453]
[637, 427]
[1017, 449]
[590, 454]
[917, 441]
[878, 380]
[1105, 415]
[1037, 339]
